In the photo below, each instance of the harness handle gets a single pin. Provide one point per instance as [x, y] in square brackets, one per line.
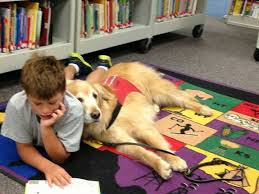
[216, 161]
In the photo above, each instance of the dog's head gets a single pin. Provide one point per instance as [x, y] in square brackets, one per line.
[97, 100]
[88, 96]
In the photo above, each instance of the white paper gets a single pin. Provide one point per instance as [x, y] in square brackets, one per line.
[77, 186]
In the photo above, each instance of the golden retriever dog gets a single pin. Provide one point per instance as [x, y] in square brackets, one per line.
[135, 120]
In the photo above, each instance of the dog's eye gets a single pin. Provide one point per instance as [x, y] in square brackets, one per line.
[80, 99]
[105, 99]
[94, 95]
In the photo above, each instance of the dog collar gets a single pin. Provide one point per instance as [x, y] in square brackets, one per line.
[114, 114]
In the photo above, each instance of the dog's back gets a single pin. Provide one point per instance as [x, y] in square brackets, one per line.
[146, 79]
[135, 72]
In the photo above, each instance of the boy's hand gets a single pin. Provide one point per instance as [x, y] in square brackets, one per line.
[55, 116]
[57, 175]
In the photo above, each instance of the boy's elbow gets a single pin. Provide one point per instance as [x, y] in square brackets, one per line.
[61, 158]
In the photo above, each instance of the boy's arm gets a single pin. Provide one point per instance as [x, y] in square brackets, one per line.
[67, 139]
[54, 173]
[31, 156]
[53, 145]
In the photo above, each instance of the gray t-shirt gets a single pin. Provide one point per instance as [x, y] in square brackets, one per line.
[22, 125]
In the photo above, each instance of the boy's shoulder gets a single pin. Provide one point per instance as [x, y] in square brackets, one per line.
[18, 100]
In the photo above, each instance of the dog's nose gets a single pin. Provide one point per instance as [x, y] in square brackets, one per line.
[95, 115]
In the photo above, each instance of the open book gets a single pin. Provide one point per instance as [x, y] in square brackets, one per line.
[77, 186]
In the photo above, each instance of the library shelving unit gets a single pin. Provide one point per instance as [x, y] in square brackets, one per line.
[145, 27]
[141, 29]
[247, 22]
[195, 21]
[63, 14]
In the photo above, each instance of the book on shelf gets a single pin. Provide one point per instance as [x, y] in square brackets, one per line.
[13, 9]
[77, 186]
[176, 6]
[96, 15]
[90, 19]
[32, 9]
[46, 17]
[237, 10]
[5, 14]
[194, 6]
[83, 26]
[183, 9]
[100, 14]
[38, 28]
[20, 12]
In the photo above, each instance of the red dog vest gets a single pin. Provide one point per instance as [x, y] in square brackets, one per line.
[121, 87]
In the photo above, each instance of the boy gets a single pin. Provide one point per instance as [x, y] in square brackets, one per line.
[45, 114]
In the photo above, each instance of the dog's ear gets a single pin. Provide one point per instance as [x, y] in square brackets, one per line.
[104, 92]
[71, 86]
[69, 81]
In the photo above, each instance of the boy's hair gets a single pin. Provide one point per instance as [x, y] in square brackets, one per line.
[43, 77]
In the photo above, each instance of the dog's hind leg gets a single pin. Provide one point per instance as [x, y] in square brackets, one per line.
[148, 158]
[153, 138]
[164, 93]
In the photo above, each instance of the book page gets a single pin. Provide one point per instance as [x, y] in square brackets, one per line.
[78, 186]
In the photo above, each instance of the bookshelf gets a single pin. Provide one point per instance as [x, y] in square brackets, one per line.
[63, 39]
[140, 30]
[196, 22]
[237, 17]
[145, 27]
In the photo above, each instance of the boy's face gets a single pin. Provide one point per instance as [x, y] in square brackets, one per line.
[44, 108]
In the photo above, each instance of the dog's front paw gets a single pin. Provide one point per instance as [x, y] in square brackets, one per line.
[164, 169]
[176, 163]
[179, 164]
[206, 111]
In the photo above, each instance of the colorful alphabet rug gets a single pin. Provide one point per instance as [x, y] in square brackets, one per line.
[230, 134]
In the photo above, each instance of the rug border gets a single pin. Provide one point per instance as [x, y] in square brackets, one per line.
[13, 175]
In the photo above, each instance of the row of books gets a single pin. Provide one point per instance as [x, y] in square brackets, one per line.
[24, 25]
[105, 16]
[245, 8]
[167, 9]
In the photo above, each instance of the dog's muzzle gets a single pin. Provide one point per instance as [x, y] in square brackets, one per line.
[92, 117]
[95, 115]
